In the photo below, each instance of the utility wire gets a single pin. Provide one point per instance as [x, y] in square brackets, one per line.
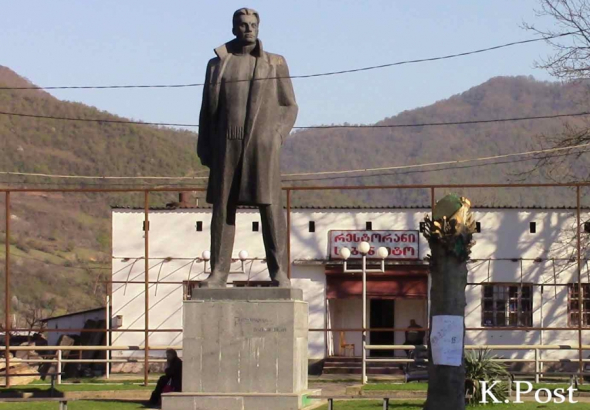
[459, 161]
[353, 171]
[384, 126]
[395, 173]
[325, 74]
[447, 168]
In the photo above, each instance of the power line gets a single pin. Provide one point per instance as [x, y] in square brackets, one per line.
[447, 168]
[325, 74]
[418, 171]
[428, 124]
[353, 171]
[459, 161]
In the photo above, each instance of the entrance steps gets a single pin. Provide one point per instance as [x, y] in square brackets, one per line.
[353, 365]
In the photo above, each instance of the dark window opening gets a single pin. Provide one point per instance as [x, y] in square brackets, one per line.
[369, 226]
[533, 227]
[311, 226]
[507, 305]
[199, 226]
[255, 226]
[478, 227]
[578, 306]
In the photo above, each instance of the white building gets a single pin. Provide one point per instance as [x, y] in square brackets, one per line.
[73, 321]
[519, 257]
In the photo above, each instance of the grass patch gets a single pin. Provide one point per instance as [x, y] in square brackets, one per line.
[412, 405]
[421, 386]
[374, 405]
[75, 405]
[396, 386]
[77, 387]
[553, 386]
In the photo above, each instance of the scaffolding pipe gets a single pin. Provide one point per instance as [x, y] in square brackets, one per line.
[364, 352]
[107, 336]
[580, 295]
[146, 226]
[7, 290]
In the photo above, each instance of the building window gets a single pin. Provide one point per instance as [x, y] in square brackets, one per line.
[507, 305]
[187, 288]
[312, 226]
[533, 227]
[252, 284]
[255, 226]
[478, 227]
[369, 226]
[199, 226]
[573, 305]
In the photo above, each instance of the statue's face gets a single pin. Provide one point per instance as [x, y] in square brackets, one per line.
[246, 29]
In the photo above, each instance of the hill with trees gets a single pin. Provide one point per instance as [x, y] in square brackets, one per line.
[501, 97]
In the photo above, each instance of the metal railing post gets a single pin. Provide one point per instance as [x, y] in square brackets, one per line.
[107, 335]
[537, 367]
[146, 360]
[289, 233]
[364, 352]
[580, 294]
[59, 366]
[7, 291]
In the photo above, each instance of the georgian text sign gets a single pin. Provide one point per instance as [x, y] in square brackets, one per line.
[400, 244]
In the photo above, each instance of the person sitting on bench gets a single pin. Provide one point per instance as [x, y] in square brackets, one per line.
[414, 337]
[172, 379]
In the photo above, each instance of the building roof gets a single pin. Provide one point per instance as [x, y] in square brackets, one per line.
[73, 314]
[358, 207]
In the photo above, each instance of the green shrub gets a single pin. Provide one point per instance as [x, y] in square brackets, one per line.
[479, 366]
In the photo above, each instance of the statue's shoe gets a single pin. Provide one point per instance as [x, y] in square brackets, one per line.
[213, 282]
[282, 281]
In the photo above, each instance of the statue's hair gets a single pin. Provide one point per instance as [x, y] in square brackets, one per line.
[245, 12]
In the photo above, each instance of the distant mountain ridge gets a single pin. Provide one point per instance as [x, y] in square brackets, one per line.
[500, 97]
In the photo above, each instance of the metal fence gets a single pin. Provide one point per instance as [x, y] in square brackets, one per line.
[579, 347]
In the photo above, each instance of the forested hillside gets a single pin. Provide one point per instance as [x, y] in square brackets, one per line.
[501, 97]
[61, 242]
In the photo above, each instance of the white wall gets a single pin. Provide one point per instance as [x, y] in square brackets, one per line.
[505, 235]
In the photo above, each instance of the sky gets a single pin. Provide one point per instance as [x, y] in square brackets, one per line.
[104, 42]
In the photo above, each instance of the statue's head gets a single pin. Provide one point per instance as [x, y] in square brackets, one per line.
[245, 25]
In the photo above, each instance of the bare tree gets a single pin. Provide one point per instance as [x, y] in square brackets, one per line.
[570, 39]
[571, 58]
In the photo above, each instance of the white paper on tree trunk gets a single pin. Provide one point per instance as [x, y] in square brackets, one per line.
[446, 340]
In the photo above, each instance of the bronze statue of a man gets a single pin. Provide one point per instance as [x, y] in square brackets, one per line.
[248, 110]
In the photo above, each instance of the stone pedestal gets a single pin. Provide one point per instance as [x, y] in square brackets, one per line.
[243, 349]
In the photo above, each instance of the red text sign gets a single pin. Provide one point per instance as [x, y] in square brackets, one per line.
[399, 244]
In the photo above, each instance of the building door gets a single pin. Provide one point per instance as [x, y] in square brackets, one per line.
[381, 316]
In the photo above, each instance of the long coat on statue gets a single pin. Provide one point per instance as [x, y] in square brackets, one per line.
[270, 114]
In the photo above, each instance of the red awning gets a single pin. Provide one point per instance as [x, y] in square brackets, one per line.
[406, 283]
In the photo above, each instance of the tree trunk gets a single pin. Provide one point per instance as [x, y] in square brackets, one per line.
[446, 384]
[449, 235]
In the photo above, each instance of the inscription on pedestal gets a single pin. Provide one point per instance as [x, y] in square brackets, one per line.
[249, 346]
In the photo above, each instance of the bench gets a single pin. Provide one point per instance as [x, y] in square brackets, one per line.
[331, 399]
[63, 402]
